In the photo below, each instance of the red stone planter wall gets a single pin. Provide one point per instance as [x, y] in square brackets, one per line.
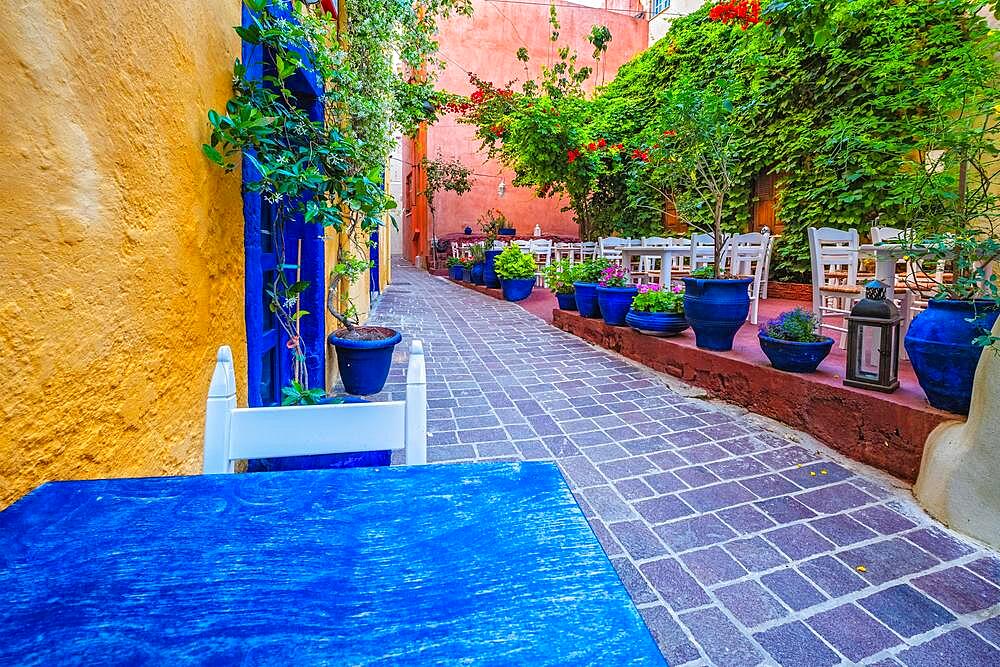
[864, 425]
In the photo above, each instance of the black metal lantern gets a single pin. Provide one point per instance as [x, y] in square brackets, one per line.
[873, 341]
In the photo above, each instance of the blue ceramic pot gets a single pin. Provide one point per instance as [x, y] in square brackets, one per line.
[566, 301]
[455, 272]
[517, 289]
[656, 324]
[586, 299]
[364, 364]
[468, 231]
[377, 458]
[466, 274]
[795, 357]
[615, 303]
[489, 272]
[716, 308]
[507, 231]
[477, 273]
[939, 343]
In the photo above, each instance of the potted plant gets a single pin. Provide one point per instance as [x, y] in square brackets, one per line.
[944, 195]
[559, 276]
[692, 168]
[790, 341]
[467, 269]
[490, 224]
[478, 255]
[455, 268]
[615, 292]
[657, 312]
[585, 286]
[945, 341]
[364, 353]
[517, 273]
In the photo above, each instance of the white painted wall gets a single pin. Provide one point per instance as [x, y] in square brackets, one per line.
[659, 24]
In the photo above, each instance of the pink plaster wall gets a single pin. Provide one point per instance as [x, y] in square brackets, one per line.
[486, 44]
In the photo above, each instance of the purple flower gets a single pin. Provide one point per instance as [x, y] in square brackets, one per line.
[614, 275]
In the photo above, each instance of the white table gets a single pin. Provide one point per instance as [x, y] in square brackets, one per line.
[665, 253]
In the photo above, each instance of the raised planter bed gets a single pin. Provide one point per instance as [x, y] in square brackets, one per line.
[864, 425]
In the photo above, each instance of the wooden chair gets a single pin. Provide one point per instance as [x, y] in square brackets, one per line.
[609, 247]
[748, 258]
[233, 433]
[541, 252]
[834, 259]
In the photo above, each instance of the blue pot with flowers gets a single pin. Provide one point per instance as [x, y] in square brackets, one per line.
[790, 341]
[657, 312]
[585, 286]
[517, 273]
[716, 308]
[615, 292]
[559, 278]
[455, 268]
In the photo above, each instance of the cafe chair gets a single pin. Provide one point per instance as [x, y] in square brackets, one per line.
[233, 433]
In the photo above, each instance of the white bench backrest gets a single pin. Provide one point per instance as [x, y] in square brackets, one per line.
[233, 433]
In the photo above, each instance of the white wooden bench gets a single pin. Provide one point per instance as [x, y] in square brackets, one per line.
[233, 433]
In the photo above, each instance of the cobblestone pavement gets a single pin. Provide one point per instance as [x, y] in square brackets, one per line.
[738, 544]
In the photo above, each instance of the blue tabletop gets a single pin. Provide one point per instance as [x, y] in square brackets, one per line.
[489, 564]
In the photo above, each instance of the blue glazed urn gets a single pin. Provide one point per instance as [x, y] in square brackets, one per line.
[517, 289]
[939, 344]
[615, 302]
[716, 308]
[566, 301]
[364, 364]
[586, 299]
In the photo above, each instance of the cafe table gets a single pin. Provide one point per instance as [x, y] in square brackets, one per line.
[665, 253]
[482, 564]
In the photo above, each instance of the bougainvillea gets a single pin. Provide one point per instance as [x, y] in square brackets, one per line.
[744, 13]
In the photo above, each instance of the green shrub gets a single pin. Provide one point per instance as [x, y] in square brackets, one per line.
[512, 264]
[591, 270]
[560, 276]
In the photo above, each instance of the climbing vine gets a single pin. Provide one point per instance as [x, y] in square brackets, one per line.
[325, 168]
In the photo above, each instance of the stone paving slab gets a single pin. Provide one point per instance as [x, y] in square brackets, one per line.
[739, 544]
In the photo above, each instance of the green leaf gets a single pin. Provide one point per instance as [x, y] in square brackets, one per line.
[213, 155]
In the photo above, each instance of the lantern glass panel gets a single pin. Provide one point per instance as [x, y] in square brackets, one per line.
[868, 352]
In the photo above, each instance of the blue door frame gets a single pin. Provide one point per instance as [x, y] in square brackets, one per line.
[269, 361]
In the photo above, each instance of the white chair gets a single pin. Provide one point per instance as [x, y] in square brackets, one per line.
[650, 264]
[523, 244]
[541, 252]
[562, 250]
[588, 250]
[765, 279]
[233, 433]
[703, 251]
[610, 247]
[834, 260]
[748, 258]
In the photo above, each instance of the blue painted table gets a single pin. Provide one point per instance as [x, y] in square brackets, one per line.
[480, 563]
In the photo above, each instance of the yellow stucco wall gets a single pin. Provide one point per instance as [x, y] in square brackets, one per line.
[121, 262]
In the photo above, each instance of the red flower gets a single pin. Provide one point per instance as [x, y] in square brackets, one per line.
[601, 143]
[497, 130]
[591, 146]
[477, 97]
[670, 133]
[640, 154]
[571, 155]
[619, 146]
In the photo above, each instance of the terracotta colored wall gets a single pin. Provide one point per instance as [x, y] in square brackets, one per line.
[486, 45]
[121, 262]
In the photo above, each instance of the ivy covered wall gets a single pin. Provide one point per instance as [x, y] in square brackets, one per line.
[832, 94]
